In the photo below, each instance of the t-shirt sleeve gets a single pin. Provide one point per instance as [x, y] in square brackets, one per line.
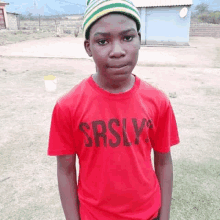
[60, 137]
[166, 132]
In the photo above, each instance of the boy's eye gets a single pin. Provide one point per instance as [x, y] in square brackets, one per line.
[101, 42]
[129, 37]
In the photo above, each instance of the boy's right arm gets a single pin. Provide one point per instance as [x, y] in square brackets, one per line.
[66, 174]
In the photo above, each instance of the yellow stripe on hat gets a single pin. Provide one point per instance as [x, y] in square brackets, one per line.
[98, 8]
[100, 4]
[106, 11]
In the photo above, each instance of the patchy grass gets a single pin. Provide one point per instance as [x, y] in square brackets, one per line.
[196, 190]
[28, 182]
[11, 37]
[217, 60]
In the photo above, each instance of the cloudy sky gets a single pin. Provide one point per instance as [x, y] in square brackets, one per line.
[52, 7]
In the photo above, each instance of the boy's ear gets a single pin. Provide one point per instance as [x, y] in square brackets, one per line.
[139, 34]
[87, 47]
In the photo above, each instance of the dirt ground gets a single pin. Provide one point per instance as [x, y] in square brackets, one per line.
[189, 76]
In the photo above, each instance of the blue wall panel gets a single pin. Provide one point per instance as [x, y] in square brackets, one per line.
[143, 28]
[165, 24]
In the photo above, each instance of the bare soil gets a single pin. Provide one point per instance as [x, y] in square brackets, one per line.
[189, 76]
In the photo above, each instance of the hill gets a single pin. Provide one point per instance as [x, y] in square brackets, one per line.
[55, 7]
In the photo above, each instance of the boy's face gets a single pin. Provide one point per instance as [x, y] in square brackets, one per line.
[111, 47]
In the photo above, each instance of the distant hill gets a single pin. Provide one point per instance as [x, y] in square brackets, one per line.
[55, 7]
[47, 8]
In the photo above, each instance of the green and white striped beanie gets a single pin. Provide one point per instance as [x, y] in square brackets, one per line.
[98, 8]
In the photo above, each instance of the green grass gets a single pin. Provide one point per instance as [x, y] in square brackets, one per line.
[28, 183]
[196, 190]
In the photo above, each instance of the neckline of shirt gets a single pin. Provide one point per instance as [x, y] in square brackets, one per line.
[121, 95]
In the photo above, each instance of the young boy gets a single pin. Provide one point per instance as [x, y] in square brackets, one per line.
[112, 120]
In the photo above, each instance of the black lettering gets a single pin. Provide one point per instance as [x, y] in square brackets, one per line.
[147, 140]
[102, 134]
[150, 124]
[115, 133]
[125, 136]
[138, 131]
[89, 138]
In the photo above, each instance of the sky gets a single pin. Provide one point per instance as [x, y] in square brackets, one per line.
[58, 7]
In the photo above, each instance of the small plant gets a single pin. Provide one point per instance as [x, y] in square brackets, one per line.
[76, 32]
[67, 31]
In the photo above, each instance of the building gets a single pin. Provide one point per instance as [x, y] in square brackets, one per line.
[165, 22]
[75, 17]
[13, 21]
[8, 20]
[3, 16]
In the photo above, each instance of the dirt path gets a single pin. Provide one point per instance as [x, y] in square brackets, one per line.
[203, 52]
[187, 75]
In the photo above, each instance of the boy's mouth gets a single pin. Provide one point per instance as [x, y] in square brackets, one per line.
[119, 66]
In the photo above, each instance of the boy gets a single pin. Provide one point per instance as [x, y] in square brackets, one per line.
[112, 120]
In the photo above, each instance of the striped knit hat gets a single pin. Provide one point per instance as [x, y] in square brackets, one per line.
[98, 8]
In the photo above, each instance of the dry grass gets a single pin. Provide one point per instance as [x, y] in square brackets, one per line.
[10, 37]
[30, 30]
[28, 183]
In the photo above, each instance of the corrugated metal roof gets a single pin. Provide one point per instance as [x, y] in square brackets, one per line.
[158, 3]
[12, 13]
[4, 3]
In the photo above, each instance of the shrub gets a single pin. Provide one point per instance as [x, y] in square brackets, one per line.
[67, 31]
[76, 32]
[213, 17]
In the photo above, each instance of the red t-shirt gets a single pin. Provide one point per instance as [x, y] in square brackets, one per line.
[113, 135]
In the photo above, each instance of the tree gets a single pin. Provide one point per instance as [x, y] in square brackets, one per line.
[202, 8]
[30, 16]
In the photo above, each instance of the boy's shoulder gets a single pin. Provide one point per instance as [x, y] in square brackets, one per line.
[73, 94]
[153, 93]
[145, 90]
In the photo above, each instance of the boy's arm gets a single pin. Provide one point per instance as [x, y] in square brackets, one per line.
[164, 172]
[67, 183]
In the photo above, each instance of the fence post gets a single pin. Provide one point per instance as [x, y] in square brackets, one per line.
[18, 22]
[39, 21]
[55, 24]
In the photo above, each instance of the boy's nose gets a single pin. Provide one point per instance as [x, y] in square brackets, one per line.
[117, 50]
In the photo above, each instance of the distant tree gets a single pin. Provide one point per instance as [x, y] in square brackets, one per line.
[30, 16]
[213, 17]
[202, 8]
[22, 17]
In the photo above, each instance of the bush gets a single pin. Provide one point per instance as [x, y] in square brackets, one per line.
[213, 17]
[76, 32]
[67, 31]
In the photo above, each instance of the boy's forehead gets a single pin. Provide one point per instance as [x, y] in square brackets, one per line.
[114, 23]
[119, 31]
[115, 18]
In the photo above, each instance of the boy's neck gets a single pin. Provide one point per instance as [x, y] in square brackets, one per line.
[120, 87]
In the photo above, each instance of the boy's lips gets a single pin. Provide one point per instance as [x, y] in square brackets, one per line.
[117, 66]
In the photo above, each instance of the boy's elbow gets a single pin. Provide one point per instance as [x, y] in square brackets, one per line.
[162, 159]
[66, 164]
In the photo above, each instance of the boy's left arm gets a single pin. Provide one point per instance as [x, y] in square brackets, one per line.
[164, 172]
